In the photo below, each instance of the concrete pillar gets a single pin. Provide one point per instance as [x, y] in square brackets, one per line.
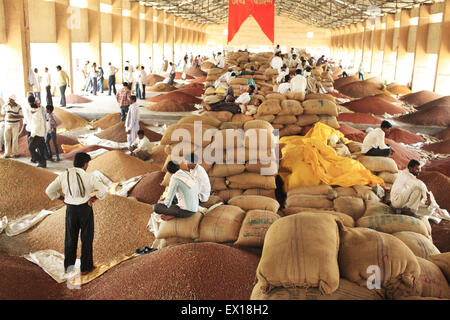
[423, 72]
[352, 45]
[443, 64]
[158, 39]
[95, 47]
[169, 36]
[117, 38]
[359, 41]
[148, 41]
[390, 53]
[64, 40]
[377, 53]
[367, 51]
[135, 37]
[2, 23]
[403, 71]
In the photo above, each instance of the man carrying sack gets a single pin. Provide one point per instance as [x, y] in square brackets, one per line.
[77, 185]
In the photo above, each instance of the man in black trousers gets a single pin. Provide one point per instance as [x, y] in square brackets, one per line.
[77, 185]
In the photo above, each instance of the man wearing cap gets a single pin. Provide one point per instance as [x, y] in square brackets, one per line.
[13, 114]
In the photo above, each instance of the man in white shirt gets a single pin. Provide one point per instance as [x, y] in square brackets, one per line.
[412, 196]
[282, 73]
[298, 82]
[111, 75]
[47, 80]
[285, 86]
[132, 121]
[220, 61]
[276, 62]
[77, 185]
[128, 77]
[93, 75]
[293, 61]
[200, 175]
[37, 84]
[142, 81]
[141, 147]
[13, 114]
[36, 144]
[136, 79]
[374, 145]
[277, 49]
[224, 78]
[172, 73]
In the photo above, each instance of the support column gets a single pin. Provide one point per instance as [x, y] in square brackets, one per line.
[423, 73]
[117, 38]
[135, 35]
[359, 44]
[64, 39]
[377, 53]
[158, 42]
[95, 47]
[352, 45]
[401, 68]
[443, 64]
[367, 52]
[148, 42]
[389, 59]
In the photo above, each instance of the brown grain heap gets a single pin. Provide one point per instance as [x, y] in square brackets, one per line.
[398, 89]
[71, 155]
[438, 147]
[404, 136]
[152, 79]
[120, 228]
[441, 235]
[178, 76]
[444, 134]
[440, 165]
[22, 190]
[118, 166]
[374, 105]
[428, 116]
[60, 140]
[193, 89]
[439, 184]
[178, 96]
[148, 189]
[69, 120]
[196, 72]
[161, 87]
[402, 155]
[117, 133]
[338, 83]
[360, 89]
[418, 98]
[171, 106]
[107, 121]
[352, 133]
[358, 118]
[440, 102]
[76, 99]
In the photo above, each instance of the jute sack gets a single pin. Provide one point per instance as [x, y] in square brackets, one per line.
[305, 200]
[241, 118]
[216, 71]
[278, 96]
[365, 193]
[249, 180]
[345, 192]
[347, 290]
[287, 262]
[361, 249]
[299, 96]
[240, 155]
[345, 218]
[391, 223]
[181, 149]
[230, 125]
[377, 208]
[330, 121]
[187, 133]
[204, 119]
[322, 96]
[352, 206]
[307, 119]
[217, 183]
[278, 126]
[378, 164]
[268, 117]
[259, 138]
[221, 224]
[260, 192]
[420, 245]
[254, 227]
[291, 107]
[212, 99]
[212, 77]
[238, 81]
[432, 282]
[388, 177]
[247, 203]
[222, 116]
[225, 170]
[227, 194]
[210, 91]
[320, 106]
[269, 168]
[290, 130]
[269, 106]
[354, 146]
[257, 96]
[257, 124]
[286, 119]
[443, 262]
[270, 72]
[180, 227]
[211, 201]
[166, 180]
[311, 190]
[229, 138]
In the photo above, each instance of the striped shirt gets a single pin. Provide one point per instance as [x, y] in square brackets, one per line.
[11, 111]
[187, 197]
[123, 97]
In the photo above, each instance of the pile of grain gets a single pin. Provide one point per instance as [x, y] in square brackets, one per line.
[441, 165]
[441, 102]
[438, 147]
[358, 118]
[107, 121]
[171, 106]
[404, 136]
[402, 155]
[439, 184]
[376, 80]
[178, 76]
[386, 96]
[22, 190]
[75, 99]
[118, 166]
[339, 95]
[148, 189]
[374, 105]
[60, 140]
[120, 228]
[162, 87]
[152, 79]
[193, 271]
[428, 116]
[360, 89]
[195, 72]
[398, 89]
[69, 120]
[193, 89]
[338, 83]
[117, 133]
[352, 133]
[418, 98]
[205, 66]
[198, 80]
[444, 134]
[441, 235]
[178, 96]
[71, 155]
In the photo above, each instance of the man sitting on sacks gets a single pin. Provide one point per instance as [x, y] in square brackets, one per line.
[411, 195]
[231, 104]
[373, 144]
[200, 175]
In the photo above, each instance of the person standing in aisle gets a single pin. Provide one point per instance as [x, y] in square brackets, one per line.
[136, 80]
[128, 77]
[37, 136]
[142, 81]
[361, 72]
[93, 75]
[123, 99]
[77, 185]
[63, 83]
[48, 85]
[100, 80]
[51, 133]
[132, 121]
[172, 73]
[13, 114]
[37, 84]
[111, 74]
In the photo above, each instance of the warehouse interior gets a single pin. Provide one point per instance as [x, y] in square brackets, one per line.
[321, 222]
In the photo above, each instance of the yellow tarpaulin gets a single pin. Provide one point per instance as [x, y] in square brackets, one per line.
[309, 161]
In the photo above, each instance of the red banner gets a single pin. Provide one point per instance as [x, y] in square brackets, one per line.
[261, 10]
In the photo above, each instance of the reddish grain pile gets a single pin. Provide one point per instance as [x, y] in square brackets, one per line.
[358, 118]
[118, 166]
[360, 89]
[404, 136]
[162, 87]
[178, 96]
[171, 106]
[444, 134]
[195, 91]
[22, 190]
[75, 99]
[428, 116]
[117, 133]
[152, 79]
[338, 83]
[71, 155]
[198, 80]
[438, 147]
[402, 155]
[441, 235]
[195, 72]
[352, 133]
[205, 66]
[441, 165]
[374, 105]
[376, 80]
[398, 89]
[69, 120]
[23, 144]
[339, 95]
[386, 96]
[120, 228]
[441, 102]
[193, 271]
[439, 184]
[148, 189]
[107, 121]
[178, 76]
[420, 97]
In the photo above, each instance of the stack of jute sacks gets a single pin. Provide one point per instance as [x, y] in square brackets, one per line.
[242, 222]
[314, 256]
